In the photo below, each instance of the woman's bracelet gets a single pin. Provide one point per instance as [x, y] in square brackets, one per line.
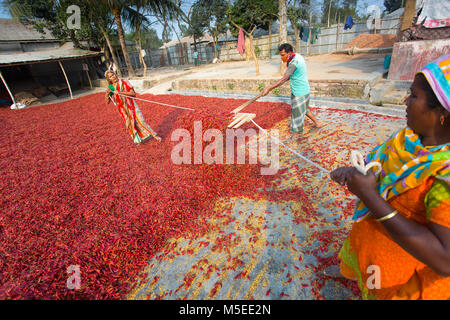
[388, 216]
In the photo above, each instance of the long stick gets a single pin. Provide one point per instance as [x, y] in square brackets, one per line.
[246, 104]
[290, 149]
[163, 104]
[67, 80]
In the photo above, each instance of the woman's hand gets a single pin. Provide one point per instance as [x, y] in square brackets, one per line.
[357, 183]
[107, 96]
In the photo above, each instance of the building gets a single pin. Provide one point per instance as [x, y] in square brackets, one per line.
[36, 67]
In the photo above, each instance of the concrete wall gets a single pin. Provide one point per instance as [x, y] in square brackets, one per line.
[319, 88]
[329, 39]
[409, 57]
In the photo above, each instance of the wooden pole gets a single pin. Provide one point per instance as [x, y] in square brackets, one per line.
[7, 88]
[87, 72]
[337, 34]
[67, 80]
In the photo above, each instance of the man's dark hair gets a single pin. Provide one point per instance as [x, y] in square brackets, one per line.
[286, 47]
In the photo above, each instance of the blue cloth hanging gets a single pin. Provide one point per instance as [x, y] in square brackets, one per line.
[348, 23]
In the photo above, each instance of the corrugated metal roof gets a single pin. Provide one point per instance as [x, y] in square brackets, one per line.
[66, 51]
[13, 30]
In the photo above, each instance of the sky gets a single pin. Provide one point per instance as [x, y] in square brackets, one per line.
[362, 4]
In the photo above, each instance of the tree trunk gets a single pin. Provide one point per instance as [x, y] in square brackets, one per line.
[139, 43]
[297, 38]
[111, 50]
[282, 16]
[309, 36]
[122, 42]
[329, 11]
[215, 47]
[270, 42]
[248, 52]
[252, 50]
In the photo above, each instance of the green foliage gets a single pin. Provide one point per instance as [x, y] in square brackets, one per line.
[208, 16]
[51, 15]
[231, 86]
[261, 86]
[270, 12]
[214, 88]
[149, 38]
[276, 91]
[257, 51]
[250, 13]
[340, 9]
[297, 12]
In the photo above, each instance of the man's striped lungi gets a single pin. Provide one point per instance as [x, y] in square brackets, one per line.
[299, 109]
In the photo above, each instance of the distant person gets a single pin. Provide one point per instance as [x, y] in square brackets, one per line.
[128, 108]
[300, 90]
[195, 57]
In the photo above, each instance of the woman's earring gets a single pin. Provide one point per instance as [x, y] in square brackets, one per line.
[442, 120]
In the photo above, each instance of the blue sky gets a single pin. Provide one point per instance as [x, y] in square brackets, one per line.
[362, 4]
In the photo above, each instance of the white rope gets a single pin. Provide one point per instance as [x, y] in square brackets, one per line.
[290, 149]
[163, 104]
[355, 157]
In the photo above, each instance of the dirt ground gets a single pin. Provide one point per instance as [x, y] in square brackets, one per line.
[320, 67]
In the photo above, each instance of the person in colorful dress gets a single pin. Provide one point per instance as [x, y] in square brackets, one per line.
[296, 73]
[128, 108]
[399, 248]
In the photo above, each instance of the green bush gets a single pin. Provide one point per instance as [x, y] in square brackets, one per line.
[260, 86]
[257, 51]
[276, 91]
[231, 86]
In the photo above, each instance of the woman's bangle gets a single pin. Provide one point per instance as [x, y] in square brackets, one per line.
[388, 216]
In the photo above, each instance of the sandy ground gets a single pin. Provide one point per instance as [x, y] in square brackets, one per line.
[321, 67]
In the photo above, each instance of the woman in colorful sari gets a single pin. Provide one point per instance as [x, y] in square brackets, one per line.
[128, 108]
[400, 246]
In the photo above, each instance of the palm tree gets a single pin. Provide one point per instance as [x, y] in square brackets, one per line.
[100, 15]
[120, 8]
[116, 7]
[283, 29]
[139, 22]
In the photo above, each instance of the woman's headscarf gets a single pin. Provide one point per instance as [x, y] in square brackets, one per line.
[106, 74]
[437, 74]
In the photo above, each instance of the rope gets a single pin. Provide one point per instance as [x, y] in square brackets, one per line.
[163, 104]
[290, 149]
[355, 157]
